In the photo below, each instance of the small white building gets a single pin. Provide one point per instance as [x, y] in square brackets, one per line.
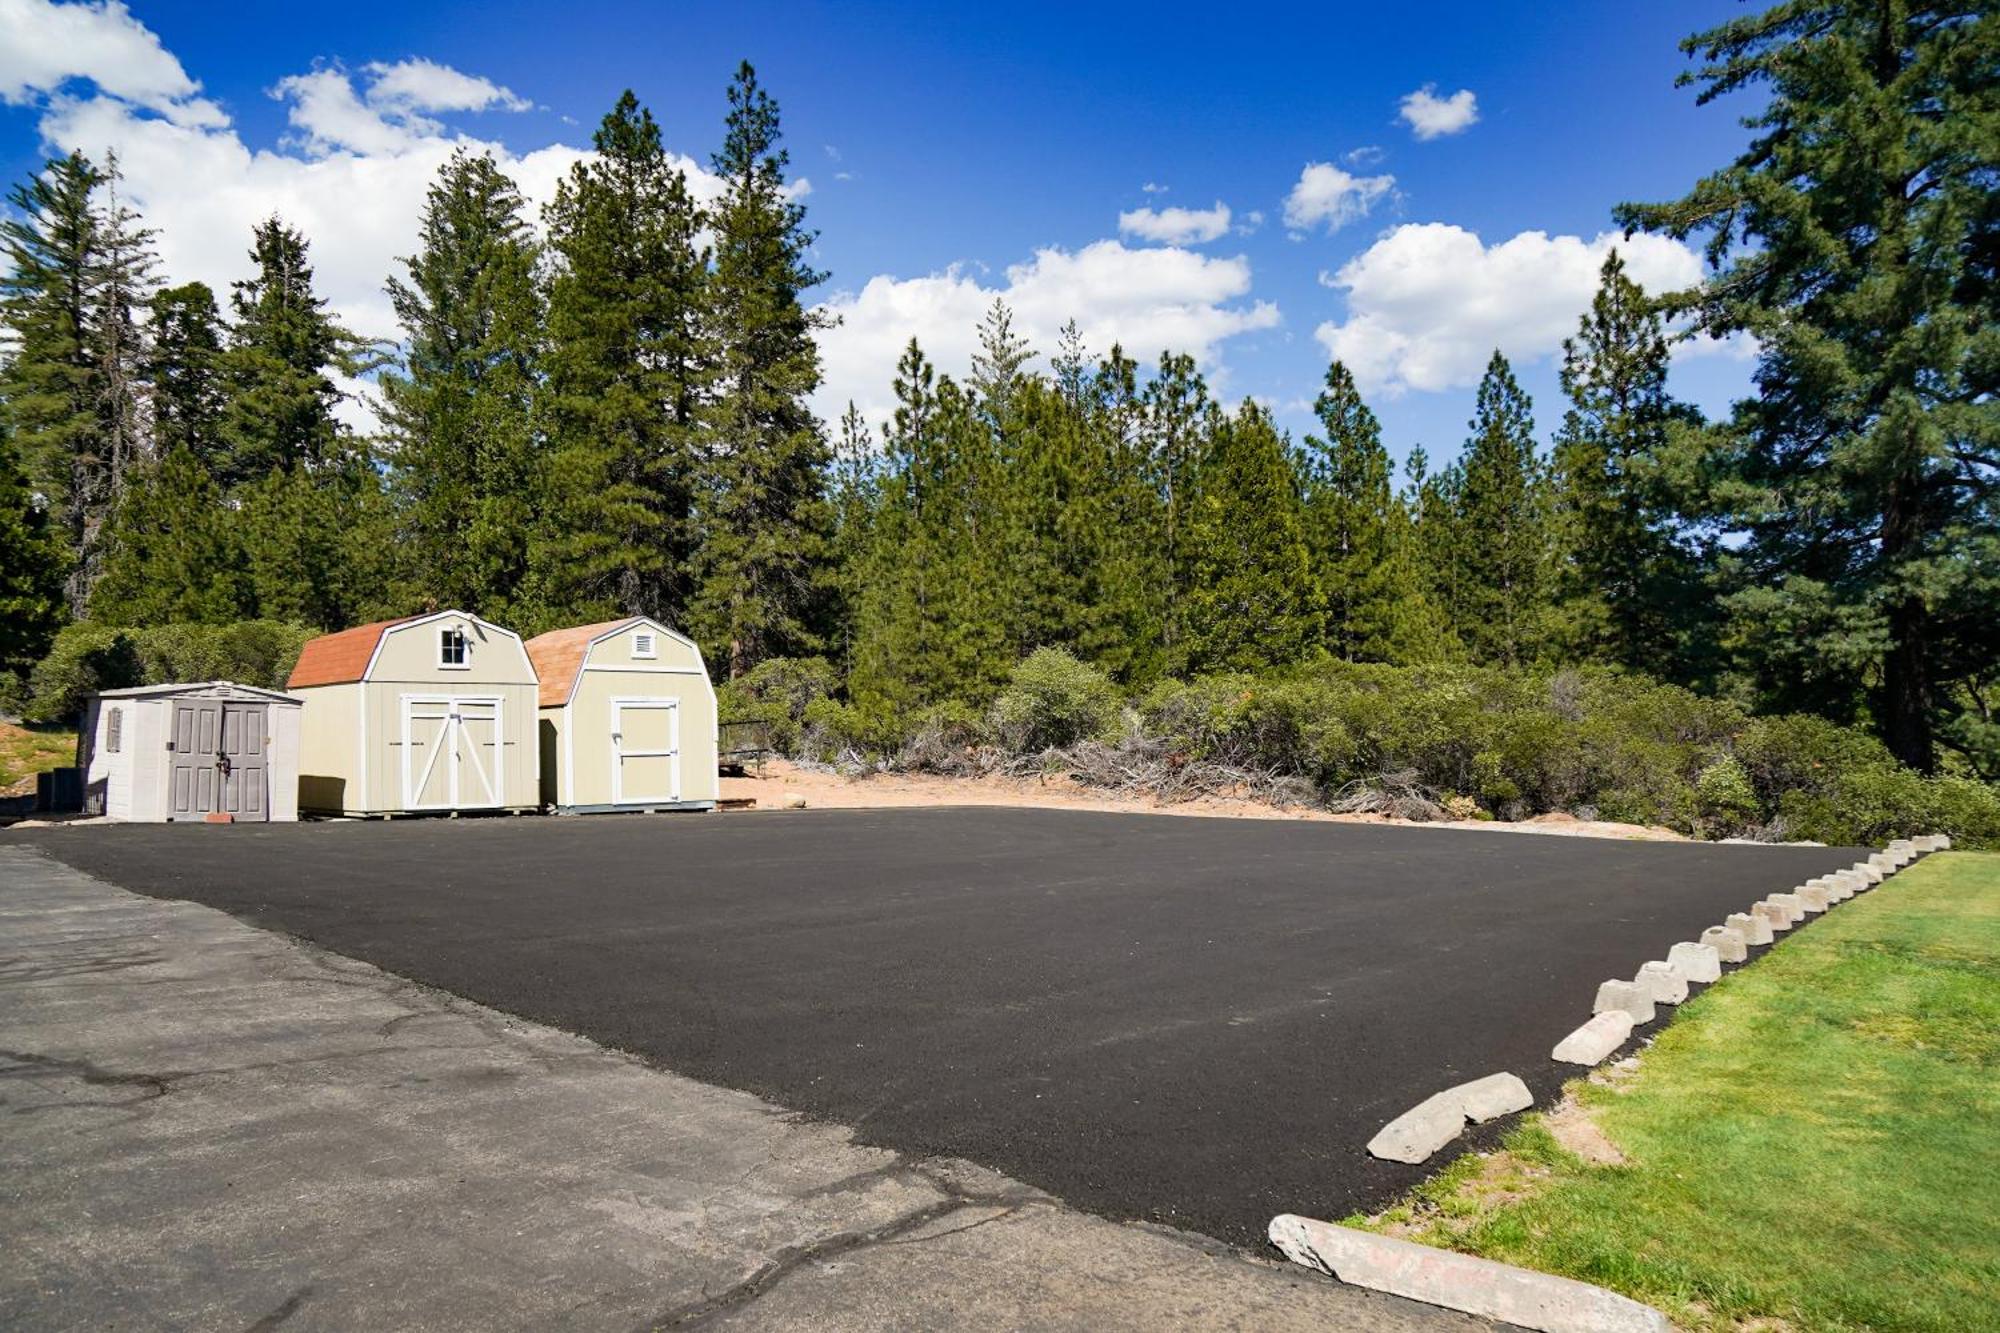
[428, 713]
[205, 750]
[627, 719]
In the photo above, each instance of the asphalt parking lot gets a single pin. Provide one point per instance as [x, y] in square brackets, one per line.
[1195, 1022]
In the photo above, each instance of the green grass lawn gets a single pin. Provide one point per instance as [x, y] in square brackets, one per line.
[1812, 1144]
[26, 751]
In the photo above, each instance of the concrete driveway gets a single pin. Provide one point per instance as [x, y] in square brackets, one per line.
[1190, 1022]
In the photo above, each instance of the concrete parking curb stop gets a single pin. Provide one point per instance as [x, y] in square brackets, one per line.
[1419, 1132]
[1460, 1282]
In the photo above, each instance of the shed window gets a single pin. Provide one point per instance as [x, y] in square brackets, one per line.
[643, 646]
[114, 730]
[452, 649]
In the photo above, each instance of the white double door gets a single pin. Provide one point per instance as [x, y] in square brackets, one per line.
[453, 752]
[645, 751]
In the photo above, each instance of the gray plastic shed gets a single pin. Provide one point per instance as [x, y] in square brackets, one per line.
[206, 750]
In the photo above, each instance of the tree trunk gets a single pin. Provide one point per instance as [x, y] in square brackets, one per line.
[1907, 688]
[1906, 670]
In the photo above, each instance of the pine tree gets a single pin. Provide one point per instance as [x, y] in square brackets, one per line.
[31, 569]
[171, 550]
[1856, 238]
[1625, 580]
[1348, 504]
[460, 411]
[318, 543]
[855, 497]
[627, 375]
[1175, 418]
[185, 371]
[52, 384]
[125, 285]
[761, 576]
[1250, 598]
[1431, 559]
[281, 396]
[1500, 600]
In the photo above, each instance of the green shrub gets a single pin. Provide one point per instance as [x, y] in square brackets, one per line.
[83, 660]
[1725, 803]
[1053, 700]
[87, 657]
[831, 730]
[778, 690]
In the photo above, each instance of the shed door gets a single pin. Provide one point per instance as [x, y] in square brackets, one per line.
[218, 760]
[645, 751]
[451, 753]
[195, 743]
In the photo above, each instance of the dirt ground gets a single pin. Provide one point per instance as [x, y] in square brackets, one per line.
[782, 781]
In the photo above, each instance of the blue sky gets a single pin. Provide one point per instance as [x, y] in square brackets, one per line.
[955, 154]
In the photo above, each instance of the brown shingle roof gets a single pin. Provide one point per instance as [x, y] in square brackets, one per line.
[335, 659]
[558, 656]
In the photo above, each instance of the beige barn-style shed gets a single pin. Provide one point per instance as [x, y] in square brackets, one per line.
[425, 714]
[628, 719]
[204, 750]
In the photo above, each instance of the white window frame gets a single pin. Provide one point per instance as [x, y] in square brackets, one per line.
[464, 648]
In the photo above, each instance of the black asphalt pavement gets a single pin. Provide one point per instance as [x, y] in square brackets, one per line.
[1197, 1022]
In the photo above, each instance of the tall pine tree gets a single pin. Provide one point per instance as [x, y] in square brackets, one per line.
[1348, 516]
[1500, 598]
[761, 562]
[460, 407]
[1626, 579]
[77, 267]
[186, 372]
[1857, 238]
[278, 367]
[627, 374]
[1250, 600]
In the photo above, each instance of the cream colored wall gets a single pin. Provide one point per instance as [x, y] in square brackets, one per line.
[611, 672]
[329, 769]
[409, 653]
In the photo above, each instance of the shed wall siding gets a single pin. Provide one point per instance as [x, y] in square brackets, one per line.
[409, 653]
[148, 768]
[590, 715]
[329, 771]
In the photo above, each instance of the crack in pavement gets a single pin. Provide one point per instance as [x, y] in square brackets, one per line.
[897, 1231]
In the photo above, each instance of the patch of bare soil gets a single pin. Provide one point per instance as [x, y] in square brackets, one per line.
[834, 791]
[1571, 1125]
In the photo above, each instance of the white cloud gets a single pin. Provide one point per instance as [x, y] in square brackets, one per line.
[386, 116]
[1148, 299]
[45, 47]
[424, 85]
[1430, 116]
[354, 184]
[1154, 187]
[1176, 226]
[1428, 303]
[1327, 195]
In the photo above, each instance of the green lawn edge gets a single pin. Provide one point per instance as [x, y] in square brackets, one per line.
[1813, 1143]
